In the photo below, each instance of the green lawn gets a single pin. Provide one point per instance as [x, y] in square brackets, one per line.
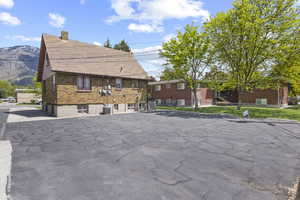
[292, 113]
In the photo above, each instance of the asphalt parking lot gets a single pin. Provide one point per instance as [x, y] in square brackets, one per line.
[155, 156]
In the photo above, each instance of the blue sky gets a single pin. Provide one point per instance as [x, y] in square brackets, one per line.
[145, 24]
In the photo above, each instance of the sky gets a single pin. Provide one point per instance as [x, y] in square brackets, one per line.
[144, 24]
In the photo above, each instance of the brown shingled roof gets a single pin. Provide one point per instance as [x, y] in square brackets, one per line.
[78, 57]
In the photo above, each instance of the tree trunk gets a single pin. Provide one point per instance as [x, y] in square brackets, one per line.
[239, 105]
[195, 98]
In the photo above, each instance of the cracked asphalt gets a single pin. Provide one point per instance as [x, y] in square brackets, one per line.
[154, 156]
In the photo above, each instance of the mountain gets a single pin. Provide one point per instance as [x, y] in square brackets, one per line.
[18, 64]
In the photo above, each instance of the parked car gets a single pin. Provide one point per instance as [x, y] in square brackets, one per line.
[11, 100]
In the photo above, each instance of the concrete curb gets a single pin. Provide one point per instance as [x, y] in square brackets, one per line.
[5, 169]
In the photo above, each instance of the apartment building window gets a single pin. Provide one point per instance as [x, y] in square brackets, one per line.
[83, 83]
[169, 101]
[180, 102]
[119, 83]
[53, 83]
[157, 88]
[82, 108]
[261, 101]
[158, 101]
[180, 86]
[168, 85]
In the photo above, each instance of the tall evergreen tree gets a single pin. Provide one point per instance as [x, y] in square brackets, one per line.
[107, 43]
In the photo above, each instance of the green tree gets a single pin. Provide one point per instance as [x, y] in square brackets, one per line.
[216, 79]
[246, 39]
[122, 46]
[107, 43]
[168, 74]
[36, 85]
[188, 56]
[6, 89]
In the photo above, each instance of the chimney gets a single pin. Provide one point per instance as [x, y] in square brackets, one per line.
[64, 35]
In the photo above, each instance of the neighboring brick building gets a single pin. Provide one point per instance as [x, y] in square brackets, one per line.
[258, 96]
[177, 93]
[83, 78]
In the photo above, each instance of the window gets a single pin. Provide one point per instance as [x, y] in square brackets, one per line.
[158, 101]
[134, 84]
[82, 108]
[180, 86]
[261, 101]
[116, 106]
[53, 83]
[169, 101]
[168, 85]
[119, 83]
[83, 83]
[157, 87]
[131, 106]
[180, 102]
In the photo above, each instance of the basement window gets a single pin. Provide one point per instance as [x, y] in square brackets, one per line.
[82, 109]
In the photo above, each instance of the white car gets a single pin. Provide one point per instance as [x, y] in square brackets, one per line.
[11, 100]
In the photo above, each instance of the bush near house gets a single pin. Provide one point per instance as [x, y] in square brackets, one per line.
[292, 113]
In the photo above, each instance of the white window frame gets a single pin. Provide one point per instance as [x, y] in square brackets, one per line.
[157, 88]
[180, 86]
[84, 83]
[180, 102]
[119, 84]
[131, 106]
[261, 101]
[158, 101]
[169, 101]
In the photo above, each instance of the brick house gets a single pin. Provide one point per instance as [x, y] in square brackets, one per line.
[79, 77]
[272, 97]
[177, 93]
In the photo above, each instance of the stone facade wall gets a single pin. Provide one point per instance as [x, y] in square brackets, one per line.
[49, 94]
[67, 93]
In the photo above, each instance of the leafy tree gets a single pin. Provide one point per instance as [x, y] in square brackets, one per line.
[188, 56]
[122, 46]
[6, 89]
[36, 85]
[247, 38]
[107, 43]
[216, 79]
[168, 74]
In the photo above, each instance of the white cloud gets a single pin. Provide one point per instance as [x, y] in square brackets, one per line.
[56, 20]
[7, 3]
[145, 28]
[22, 38]
[147, 49]
[156, 11]
[82, 2]
[8, 19]
[97, 43]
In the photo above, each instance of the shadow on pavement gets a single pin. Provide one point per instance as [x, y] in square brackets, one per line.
[30, 113]
[187, 115]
